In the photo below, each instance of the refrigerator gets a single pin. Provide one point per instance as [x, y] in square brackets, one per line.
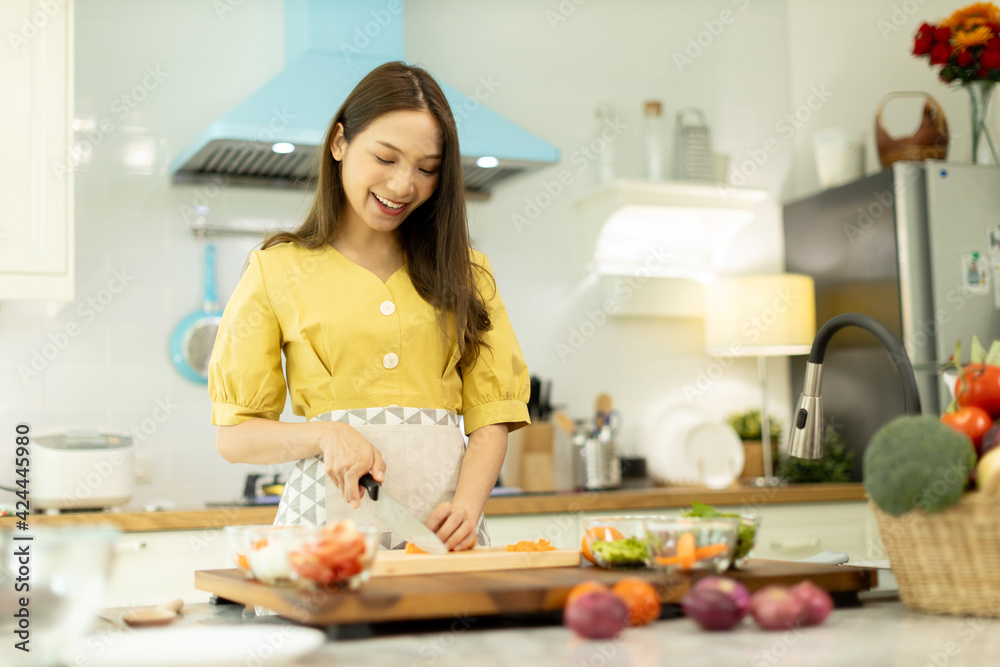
[917, 247]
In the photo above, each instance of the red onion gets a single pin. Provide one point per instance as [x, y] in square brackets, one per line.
[734, 589]
[775, 608]
[596, 615]
[712, 609]
[818, 602]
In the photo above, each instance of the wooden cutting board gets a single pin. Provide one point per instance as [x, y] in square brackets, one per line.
[480, 559]
[473, 594]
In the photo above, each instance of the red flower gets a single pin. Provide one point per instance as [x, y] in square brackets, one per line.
[991, 59]
[983, 73]
[940, 53]
[964, 58]
[922, 45]
[926, 29]
[993, 44]
[995, 27]
[942, 34]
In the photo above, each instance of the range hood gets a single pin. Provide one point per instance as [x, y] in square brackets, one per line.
[270, 139]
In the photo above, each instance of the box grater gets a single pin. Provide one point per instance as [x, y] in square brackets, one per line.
[692, 147]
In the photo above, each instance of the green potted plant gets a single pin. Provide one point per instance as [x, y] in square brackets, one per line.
[747, 425]
[833, 468]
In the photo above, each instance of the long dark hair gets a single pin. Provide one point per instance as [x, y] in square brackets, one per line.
[434, 238]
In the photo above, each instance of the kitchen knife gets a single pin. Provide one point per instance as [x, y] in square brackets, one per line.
[389, 511]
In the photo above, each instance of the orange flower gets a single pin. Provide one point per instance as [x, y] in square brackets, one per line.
[972, 17]
[964, 39]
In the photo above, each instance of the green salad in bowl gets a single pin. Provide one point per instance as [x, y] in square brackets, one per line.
[614, 542]
[747, 529]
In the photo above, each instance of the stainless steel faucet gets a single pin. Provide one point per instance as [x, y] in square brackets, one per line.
[806, 439]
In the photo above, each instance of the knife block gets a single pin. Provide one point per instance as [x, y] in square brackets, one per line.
[529, 461]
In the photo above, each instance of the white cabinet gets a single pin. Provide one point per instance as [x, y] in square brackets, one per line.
[156, 567]
[36, 173]
[792, 532]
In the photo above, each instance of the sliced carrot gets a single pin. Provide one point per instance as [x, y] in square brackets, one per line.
[710, 551]
[524, 545]
[685, 561]
[242, 562]
[685, 550]
[412, 548]
[259, 544]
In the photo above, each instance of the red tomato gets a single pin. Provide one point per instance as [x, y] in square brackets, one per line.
[309, 567]
[972, 421]
[982, 388]
[334, 552]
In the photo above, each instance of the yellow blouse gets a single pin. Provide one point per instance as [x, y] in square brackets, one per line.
[352, 341]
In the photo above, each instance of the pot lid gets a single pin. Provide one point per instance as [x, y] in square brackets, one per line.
[84, 439]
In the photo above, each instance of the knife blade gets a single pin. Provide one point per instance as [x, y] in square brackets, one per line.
[391, 512]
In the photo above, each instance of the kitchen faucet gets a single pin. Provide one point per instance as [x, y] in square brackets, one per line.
[806, 440]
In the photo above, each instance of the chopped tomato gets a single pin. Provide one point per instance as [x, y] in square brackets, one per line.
[334, 558]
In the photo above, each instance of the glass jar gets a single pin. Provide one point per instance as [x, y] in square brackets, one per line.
[653, 139]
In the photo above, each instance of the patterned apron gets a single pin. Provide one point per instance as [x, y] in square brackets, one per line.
[423, 450]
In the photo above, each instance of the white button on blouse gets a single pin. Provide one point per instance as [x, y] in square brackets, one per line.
[390, 360]
[387, 308]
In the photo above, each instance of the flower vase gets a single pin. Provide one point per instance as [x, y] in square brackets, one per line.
[979, 101]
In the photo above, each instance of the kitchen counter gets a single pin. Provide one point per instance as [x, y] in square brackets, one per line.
[512, 505]
[878, 633]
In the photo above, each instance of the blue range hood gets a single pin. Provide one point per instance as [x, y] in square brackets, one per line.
[271, 138]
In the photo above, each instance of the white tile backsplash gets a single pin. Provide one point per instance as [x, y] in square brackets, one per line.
[551, 79]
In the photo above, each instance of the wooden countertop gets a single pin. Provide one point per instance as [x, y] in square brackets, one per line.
[665, 497]
[537, 503]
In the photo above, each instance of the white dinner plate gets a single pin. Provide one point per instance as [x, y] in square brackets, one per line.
[713, 453]
[686, 445]
[204, 646]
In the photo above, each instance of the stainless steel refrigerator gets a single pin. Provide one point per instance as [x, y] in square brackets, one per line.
[915, 246]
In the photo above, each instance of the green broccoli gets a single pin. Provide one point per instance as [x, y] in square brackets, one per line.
[917, 462]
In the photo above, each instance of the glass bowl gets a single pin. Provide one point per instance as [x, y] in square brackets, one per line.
[749, 527]
[692, 543]
[237, 537]
[53, 592]
[339, 554]
[614, 542]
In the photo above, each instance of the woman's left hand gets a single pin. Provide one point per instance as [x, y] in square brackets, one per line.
[454, 526]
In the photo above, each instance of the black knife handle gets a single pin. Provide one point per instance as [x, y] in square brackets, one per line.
[370, 484]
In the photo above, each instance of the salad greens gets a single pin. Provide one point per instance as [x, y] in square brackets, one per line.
[745, 535]
[631, 551]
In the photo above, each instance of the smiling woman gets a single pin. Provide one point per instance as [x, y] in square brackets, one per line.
[390, 324]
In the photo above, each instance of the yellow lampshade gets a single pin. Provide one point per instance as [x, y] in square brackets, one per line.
[762, 315]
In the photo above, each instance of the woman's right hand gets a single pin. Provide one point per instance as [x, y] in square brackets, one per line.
[347, 455]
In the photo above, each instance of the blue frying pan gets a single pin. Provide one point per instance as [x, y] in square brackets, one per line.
[192, 339]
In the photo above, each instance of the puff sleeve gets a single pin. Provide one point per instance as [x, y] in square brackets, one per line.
[244, 374]
[495, 387]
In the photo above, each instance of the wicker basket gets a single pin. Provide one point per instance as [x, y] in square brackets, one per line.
[929, 142]
[948, 562]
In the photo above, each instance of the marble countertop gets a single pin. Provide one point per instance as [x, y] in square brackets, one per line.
[879, 633]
